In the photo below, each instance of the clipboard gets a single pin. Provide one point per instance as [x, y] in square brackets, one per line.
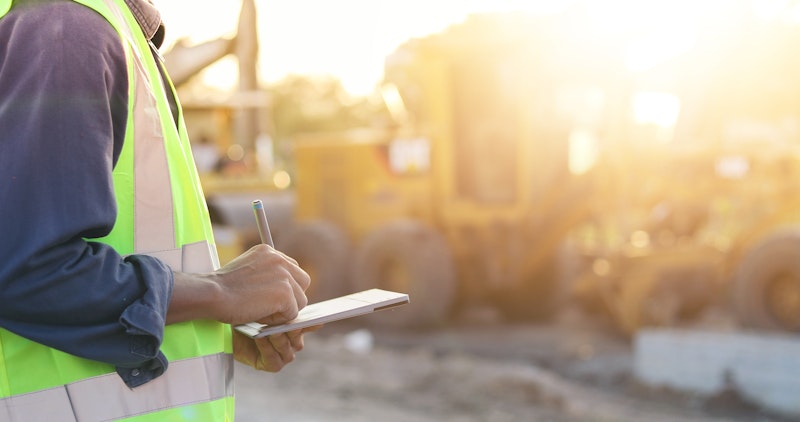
[330, 310]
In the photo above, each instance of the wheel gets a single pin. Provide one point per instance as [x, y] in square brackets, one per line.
[322, 250]
[408, 257]
[766, 290]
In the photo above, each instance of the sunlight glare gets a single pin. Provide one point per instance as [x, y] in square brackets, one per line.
[348, 39]
[771, 9]
[583, 151]
[646, 53]
[659, 108]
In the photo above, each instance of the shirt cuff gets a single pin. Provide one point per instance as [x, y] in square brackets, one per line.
[144, 322]
[150, 370]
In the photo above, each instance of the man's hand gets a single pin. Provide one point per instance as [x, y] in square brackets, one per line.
[270, 353]
[262, 285]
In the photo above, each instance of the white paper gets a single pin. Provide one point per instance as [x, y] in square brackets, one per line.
[354, 304]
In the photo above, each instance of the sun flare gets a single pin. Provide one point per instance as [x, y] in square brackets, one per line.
[350, 39]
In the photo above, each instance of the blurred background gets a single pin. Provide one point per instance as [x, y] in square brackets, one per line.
[603, 193]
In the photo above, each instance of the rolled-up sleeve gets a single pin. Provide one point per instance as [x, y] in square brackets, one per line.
[63, 113]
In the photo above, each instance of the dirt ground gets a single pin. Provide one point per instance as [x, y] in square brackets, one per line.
[476, 369]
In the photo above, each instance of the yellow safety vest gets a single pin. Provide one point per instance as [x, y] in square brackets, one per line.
[162, 213]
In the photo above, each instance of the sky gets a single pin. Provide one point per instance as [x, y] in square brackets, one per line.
[348, 39]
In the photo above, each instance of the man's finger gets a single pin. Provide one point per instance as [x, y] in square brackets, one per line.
[282, 344]
[270, 359]
[296, 336]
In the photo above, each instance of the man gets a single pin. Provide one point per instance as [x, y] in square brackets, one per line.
[112, 304]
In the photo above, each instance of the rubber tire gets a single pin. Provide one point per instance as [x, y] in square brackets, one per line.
[423, 256]
[322, 250]
[777, 254]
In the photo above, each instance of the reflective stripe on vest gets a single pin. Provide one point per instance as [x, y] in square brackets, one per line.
[161, 212]
[106, 397]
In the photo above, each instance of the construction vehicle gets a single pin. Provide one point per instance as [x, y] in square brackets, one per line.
[474, 195]
[478, 192]
[707, 217]
[466, 201]
[710, 217]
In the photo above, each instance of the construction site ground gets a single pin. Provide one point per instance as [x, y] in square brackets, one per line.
[477, 368]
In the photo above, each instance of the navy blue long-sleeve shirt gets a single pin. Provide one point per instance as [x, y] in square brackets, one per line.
[63, 111]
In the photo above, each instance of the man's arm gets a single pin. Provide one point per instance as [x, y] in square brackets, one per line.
[63, 105]
[63, 110]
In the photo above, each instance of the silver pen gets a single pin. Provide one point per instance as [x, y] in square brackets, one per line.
[261, 221]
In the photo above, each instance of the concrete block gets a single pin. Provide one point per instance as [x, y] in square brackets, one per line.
[762, 367]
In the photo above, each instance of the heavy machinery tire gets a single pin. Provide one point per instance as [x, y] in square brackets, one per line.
[408, 257]
[323, 251]
[766, 290]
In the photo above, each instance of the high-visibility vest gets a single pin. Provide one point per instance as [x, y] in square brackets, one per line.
[161, 212]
